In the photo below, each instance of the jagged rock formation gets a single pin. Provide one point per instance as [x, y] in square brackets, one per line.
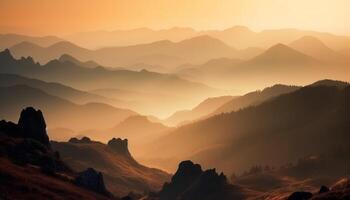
[119, 146]
[190, 182]
[92, 180]
[31, 124]
[27, 145]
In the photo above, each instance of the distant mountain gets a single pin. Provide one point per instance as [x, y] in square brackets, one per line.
[69, 58]
[99, 39]
[281, 54]
[253, 98]
[173, 88]
[278, 63]
[159, 53]
[315, 48]
[203, 109]
[122, 173]
[55, 89]
[242, 37]
[165, 53]
[285, 128]
[331, 83]
[9, 40]
[59, 112]
[239, 37]
[45, 54]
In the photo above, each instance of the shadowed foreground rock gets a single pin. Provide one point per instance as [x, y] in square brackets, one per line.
[300, 196]
[92, 180]
[31, 125]
[190, 182]
[31, 169]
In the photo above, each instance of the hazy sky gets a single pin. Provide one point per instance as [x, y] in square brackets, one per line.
[59, 17]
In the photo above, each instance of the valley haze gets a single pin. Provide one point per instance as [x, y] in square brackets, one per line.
[175, 100]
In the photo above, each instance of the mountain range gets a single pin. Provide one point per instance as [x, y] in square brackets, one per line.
[298, 124]
[159, 53]
[84, 78]
[9, 40]
[60, 112]
[278, 64]
[239, 37]
[203, 109]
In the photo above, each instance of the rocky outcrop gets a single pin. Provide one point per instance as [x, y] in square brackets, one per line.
[323, 189]
[186, 174]
[32, 125]
[190, 182]
[119, 146]
[92, 180]
[83, 140]
[28, 143]
[300, 196]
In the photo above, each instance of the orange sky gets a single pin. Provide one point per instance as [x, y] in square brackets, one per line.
[59, 17]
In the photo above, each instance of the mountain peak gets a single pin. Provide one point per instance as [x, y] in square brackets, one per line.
[314, 47]
[308, 41]
[281, 54]
[239, 29]
[63, 44]
[332, 83]
[279, 47]
[67, 57]
[6, 54]
[202, 38]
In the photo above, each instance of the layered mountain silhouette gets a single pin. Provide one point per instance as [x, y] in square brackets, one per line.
[279, 63]
[98, 39]
[313, 47]
[122, 173]
[164, 53]
[45, 54]
[9, 40]
[60, 112]
[203, 109]
[71, 59]
[30, 168]
[173, 87]
[299, 123]
[240, 37]
[55, 89]
[253, 98]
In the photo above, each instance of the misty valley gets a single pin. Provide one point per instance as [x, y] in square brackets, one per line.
[175, 114]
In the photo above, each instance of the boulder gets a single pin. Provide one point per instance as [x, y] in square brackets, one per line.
[92, 180]
[323, 189]
[32, 125]
[300, 196]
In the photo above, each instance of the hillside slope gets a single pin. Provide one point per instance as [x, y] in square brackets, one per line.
[311, 120]
[123, 174]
